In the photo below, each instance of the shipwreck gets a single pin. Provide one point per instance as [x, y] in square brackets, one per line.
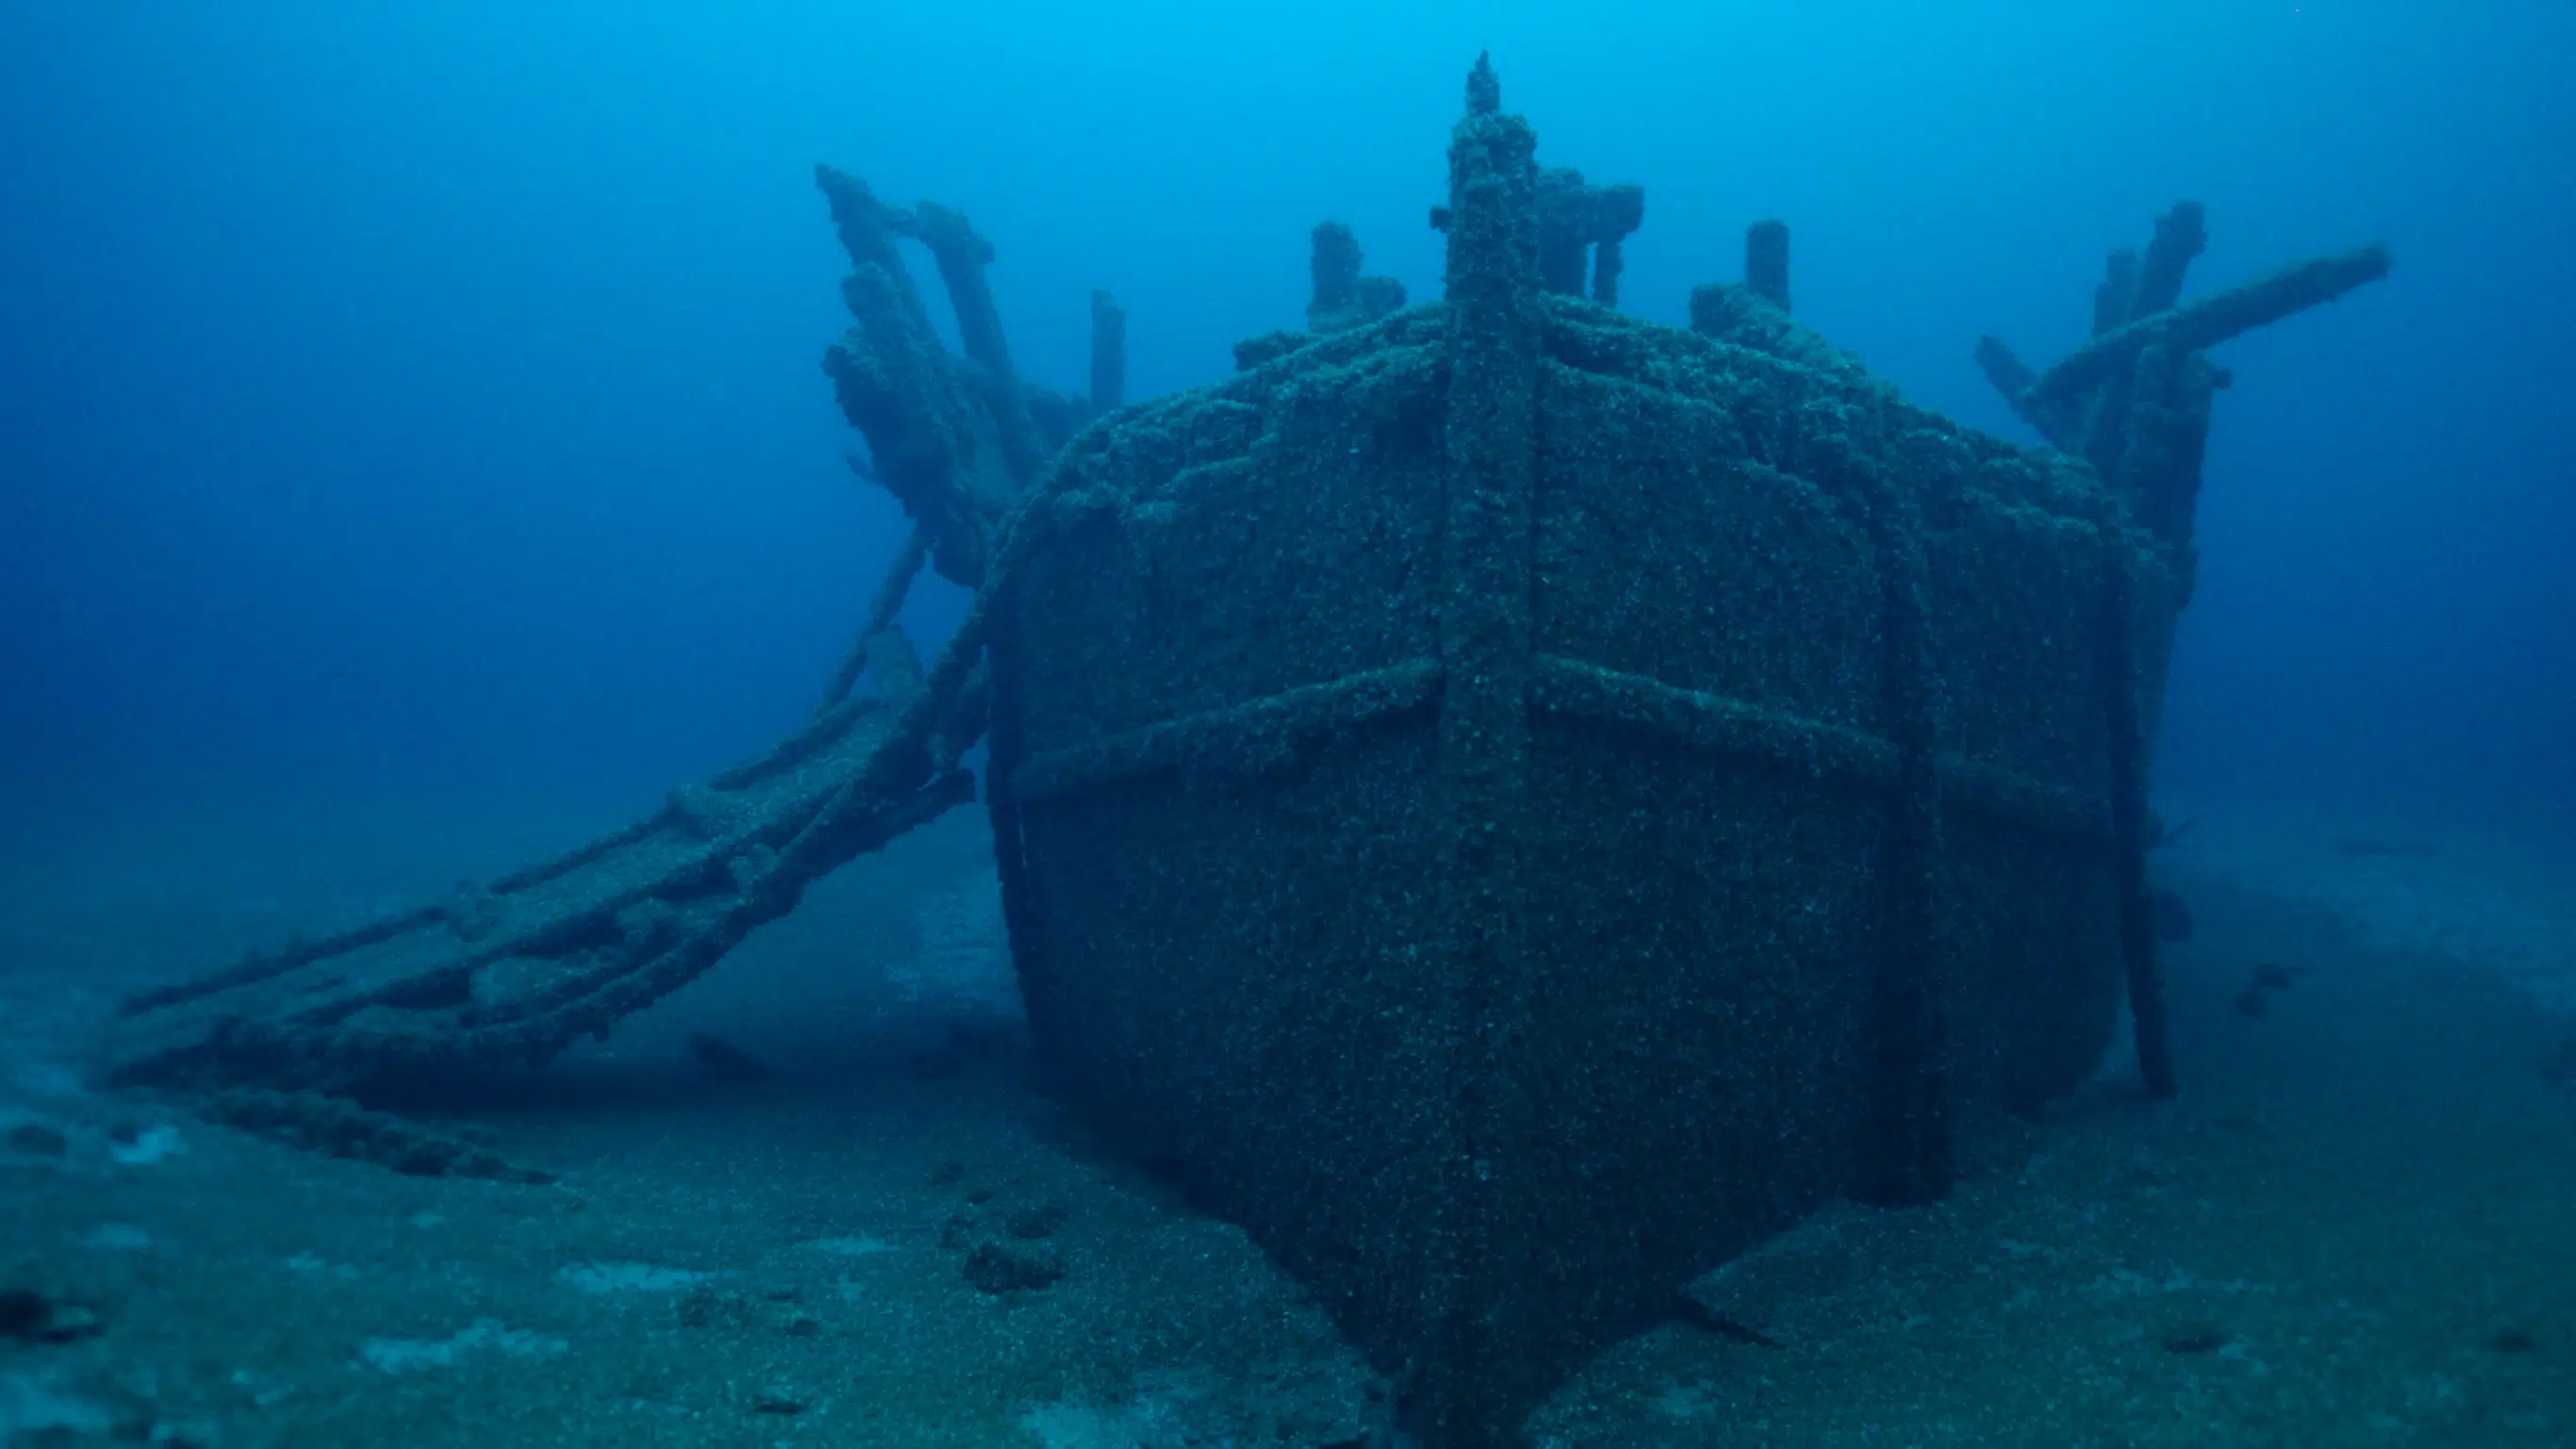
[1514, 804]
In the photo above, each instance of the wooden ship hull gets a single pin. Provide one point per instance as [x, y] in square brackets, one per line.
[1515, 804]
[1510, 803]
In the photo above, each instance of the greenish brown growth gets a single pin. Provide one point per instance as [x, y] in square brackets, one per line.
[2213, 320]
[1617, 214]
[1755, 313]
[868, 228]
[2112, 297]
[1576, 217]
[1521, 803]
[1269, 347]
[1478, 825]
[1335, 262]
[1518, 802]
[1734, 313]
[1609, 261]
[1344, 299]
[2132, 818]
[1766, 261]
[1906, 1154]
[2182, 234]
[961, 256]
[955, 440]
[1484, 89]
[2166, 438]
[879, 641]
[334, 1127]
[1108, 354]
[2012, 377]
[931, 443]
[518, 969]
[515, 970]
[1581, 230]
[2134, 401]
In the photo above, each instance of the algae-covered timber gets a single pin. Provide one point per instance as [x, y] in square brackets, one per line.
[517, 969]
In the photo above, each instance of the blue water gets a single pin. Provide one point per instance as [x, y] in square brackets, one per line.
[414, 456]
[411, 399]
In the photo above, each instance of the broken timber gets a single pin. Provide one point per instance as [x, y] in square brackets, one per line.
[2135, 403]
[2134, 400]
[521, 968]
[517, 969]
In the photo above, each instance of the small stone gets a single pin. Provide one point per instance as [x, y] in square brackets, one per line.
[705, 1308]
[803, 1326]
[24, 1312]
[2192, 1338]
[997, 1269]
[38, 1140]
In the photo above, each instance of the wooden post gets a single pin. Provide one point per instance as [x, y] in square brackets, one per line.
[1495, 328]
[1108, 354]
[1766, 261]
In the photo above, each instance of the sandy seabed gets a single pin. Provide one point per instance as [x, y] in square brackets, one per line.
[2357, 1226]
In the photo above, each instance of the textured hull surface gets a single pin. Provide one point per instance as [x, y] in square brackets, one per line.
[1516, 824]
